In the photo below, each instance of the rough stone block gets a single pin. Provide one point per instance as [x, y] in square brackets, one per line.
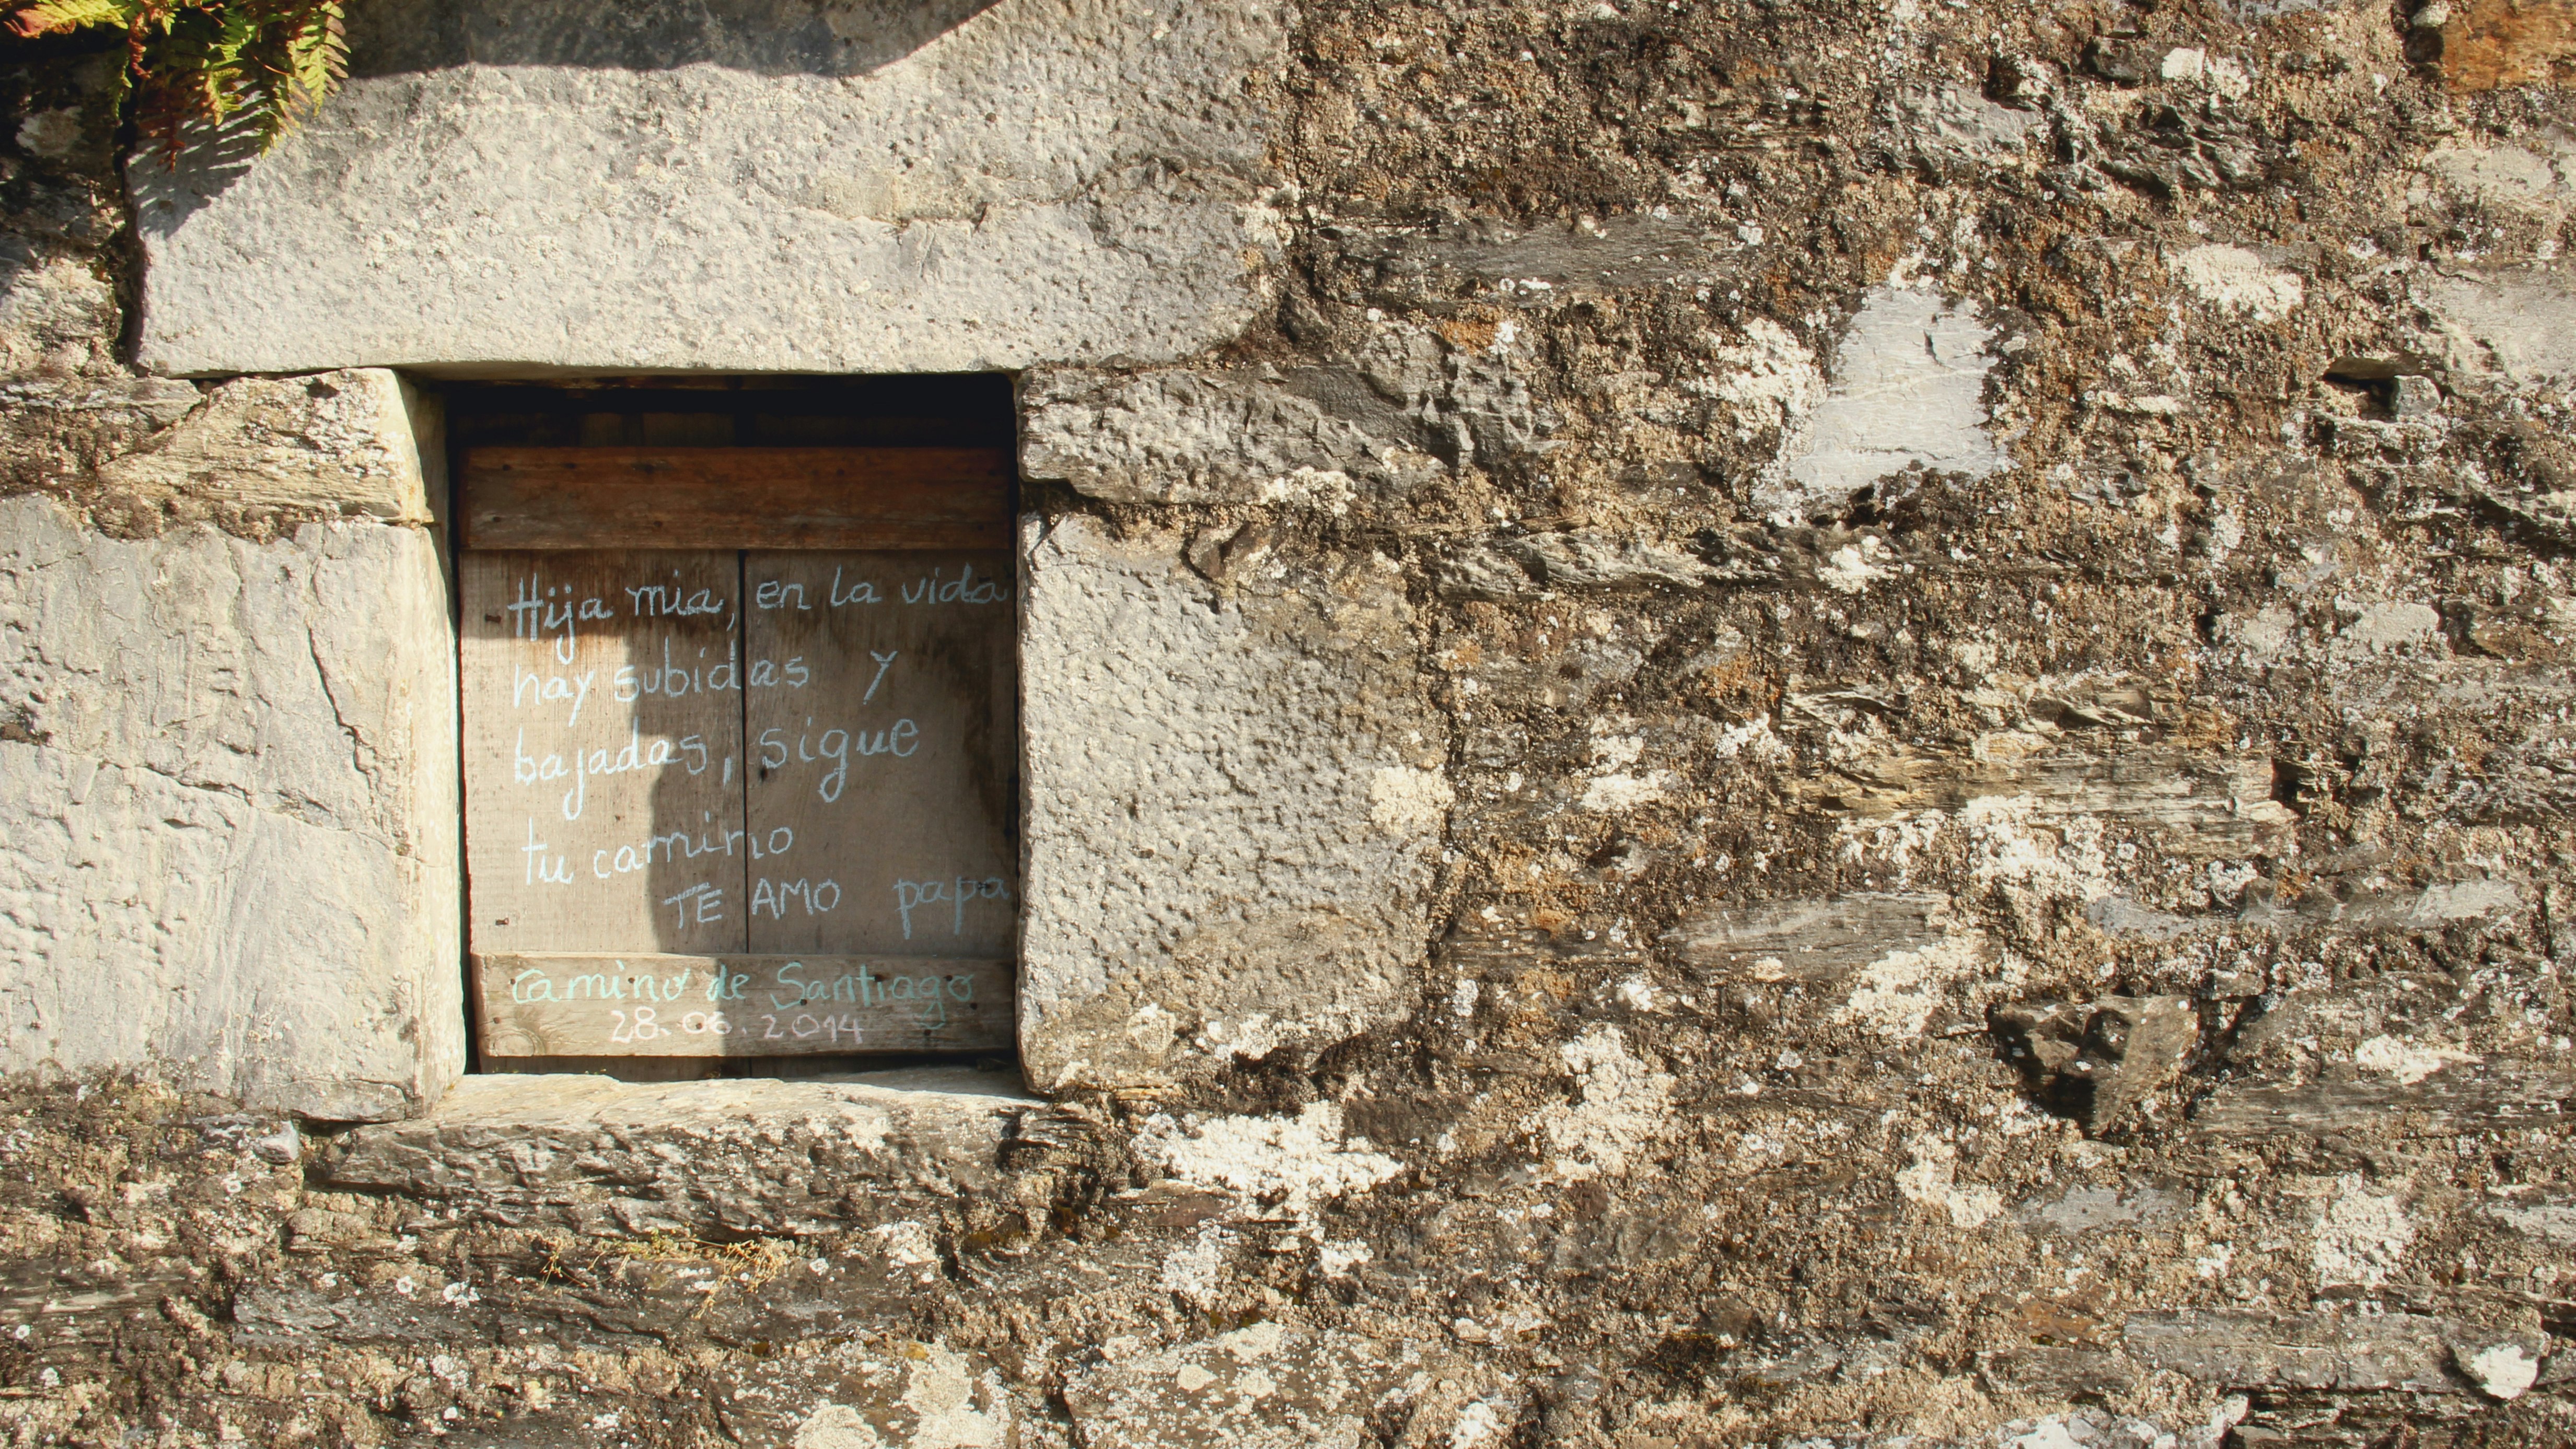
[2096, 1060]
[56, 311]
[1813, 942]
[1234, 804]
[2519, 325]
[1192, 437]
[335, 444]
[1269, 1387]
[1885, 962]
[2198, 803]
[585, 183]
[1584, 561]
[1947, 129]
[1542, 264]
[710, 1158]
[2344, 1353]
[2496, 1097]
[870, 1395]
[228, 810]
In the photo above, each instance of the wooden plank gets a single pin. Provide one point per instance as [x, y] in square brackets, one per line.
[562, 1004]
[603, 751]
[737, 498]
[881, 729]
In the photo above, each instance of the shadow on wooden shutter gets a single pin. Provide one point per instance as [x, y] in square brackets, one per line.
[804, 498]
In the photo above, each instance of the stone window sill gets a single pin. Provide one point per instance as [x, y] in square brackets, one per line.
[711, 1160]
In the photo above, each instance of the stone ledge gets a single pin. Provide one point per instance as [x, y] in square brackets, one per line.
[733, 1158]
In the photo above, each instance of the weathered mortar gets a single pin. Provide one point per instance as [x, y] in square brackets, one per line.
[2063, 944]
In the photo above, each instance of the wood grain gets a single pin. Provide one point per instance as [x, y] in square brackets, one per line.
[591, 821]
[564, 1004]
[737, 498]
[882, 735]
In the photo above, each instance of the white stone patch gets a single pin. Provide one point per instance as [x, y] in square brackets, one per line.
[1908, 388]
[1852, 568]
[1755, 736]
[909, 1246]
[1196, 1269]
[2505, 1372]
[1898, 992]
[1623, 1104]
[1304, 1160]
[2555, 1221]
[2519, 324]
[1614, 786]
[1329, 488]
[940, 1390]
[2362, 1236]
[2465, 900]
[2539, 173]
[2186, 63]
[1771, 379]
[2234, 279]
[1341, 1259]
[1255, 1035]
[1479, 1424]
[1928, 1180]
[837, 1426]
[1611, 794]
[1258, 1341]
[50, 133]
[1612, 750]
[1462, 997]
[2010, 846]
[2264, 634]
[2387, 627]
[1410, 800]
[2409, 1062]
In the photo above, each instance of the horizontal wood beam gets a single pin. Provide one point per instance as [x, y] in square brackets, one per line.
[790, 498]
[565, 1004]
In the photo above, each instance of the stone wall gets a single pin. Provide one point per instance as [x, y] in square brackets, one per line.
[1747, 723]
[227, 688]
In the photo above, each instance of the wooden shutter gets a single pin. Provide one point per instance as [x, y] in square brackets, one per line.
[730, 799]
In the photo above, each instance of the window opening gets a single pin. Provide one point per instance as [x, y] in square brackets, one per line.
[740, 723]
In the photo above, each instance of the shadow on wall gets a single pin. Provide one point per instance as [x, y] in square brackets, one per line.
[770, 37]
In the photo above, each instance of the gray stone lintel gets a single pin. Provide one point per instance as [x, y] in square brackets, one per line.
[507, 188]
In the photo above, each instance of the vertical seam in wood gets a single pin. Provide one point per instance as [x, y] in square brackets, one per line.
[742, 731]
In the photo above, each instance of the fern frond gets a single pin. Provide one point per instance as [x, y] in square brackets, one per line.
[204, 65]
[53, 17]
